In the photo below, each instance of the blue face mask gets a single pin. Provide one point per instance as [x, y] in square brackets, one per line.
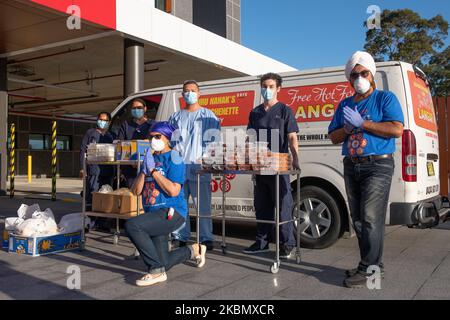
[267, 94]
[137, 113]
[190, 97]
[102, 124]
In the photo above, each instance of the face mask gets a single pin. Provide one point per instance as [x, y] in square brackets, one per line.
[267, 94]
[362, 85]
[137, 113]
[102, 124]
[190, 98]
[158, 145]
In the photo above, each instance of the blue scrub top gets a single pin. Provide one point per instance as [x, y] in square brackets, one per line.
[380, 106]
[279, 117]
[171, 166]
[130, 130]
[191, 142]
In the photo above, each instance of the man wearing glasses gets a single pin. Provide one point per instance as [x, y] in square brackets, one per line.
[367, 124]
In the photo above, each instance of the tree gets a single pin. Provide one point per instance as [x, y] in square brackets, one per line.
[406, 36]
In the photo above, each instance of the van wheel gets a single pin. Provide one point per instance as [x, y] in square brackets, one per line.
[320, 220]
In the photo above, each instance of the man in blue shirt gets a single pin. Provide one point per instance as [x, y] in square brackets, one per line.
[274, 118]
[196, 127]
[367, 124]
[160, 183]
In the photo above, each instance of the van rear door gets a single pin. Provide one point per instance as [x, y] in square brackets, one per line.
[421, 166]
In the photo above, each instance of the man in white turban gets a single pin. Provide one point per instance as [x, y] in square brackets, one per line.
[367, 124]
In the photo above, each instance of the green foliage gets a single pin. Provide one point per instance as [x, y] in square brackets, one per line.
[406, 36]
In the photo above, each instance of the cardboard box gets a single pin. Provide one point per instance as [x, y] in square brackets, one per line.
[115, 203]
[129, 150]
[38, 246]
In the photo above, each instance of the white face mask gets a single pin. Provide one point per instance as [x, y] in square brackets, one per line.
[158, 145]
[362, 85]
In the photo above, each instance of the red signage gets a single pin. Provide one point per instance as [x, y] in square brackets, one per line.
[424, 114]
[317, 102]
[102, 12]
[233, 108]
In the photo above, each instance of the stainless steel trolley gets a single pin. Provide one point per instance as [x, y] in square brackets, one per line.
[223, 216]
[117, 217]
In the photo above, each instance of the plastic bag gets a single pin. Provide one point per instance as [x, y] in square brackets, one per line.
[123, 192]
[37, 227]
[26, 212]
[47, 214]
[73, 222]
[12, 223]
[106, 189]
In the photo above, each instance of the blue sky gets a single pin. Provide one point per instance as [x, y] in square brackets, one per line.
[320, 33]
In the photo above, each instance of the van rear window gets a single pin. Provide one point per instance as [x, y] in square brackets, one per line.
[232, 108]
[422, 102]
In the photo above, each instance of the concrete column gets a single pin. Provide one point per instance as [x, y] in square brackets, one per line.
[133, 79]
[3, 125]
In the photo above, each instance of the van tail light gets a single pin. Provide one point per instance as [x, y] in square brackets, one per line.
[409, 156]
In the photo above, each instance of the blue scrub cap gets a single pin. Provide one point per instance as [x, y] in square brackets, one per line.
[165, 128]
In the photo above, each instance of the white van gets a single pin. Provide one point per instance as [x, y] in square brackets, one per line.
[313, 96]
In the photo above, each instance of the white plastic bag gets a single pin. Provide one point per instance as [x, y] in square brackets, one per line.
[72, 223]
[37, 227]
[26, 212]
[12, 223]
[47, 214]
[106, 189]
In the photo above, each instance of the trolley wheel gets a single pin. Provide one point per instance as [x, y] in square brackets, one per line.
[224, 250]
[116, 239]
[82, 246]
[298, 259]
[275, 268]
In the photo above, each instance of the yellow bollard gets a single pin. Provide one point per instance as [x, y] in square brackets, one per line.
[30, 159]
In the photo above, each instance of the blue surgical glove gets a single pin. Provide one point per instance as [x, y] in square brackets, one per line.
[353, 117]
[148, 164]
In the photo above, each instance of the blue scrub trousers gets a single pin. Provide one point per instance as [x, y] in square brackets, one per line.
[265, 203]
[206, 225]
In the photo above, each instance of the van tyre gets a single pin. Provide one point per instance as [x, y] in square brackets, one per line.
[321, 220]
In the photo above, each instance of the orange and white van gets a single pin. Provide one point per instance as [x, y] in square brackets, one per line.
[314, 96]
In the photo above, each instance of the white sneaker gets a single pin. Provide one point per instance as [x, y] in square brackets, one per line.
[199, 254]
[151, 279]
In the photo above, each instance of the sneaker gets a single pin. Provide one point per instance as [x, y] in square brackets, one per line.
[352, 272]
[256, 248]
[151, 279]
[357, 281]
[199, 253]
[285, 251]
[209, 245]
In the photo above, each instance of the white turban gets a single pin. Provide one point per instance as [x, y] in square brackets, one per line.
[361, 58]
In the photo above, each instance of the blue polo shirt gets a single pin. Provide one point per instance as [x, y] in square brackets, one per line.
[380, 106]
[154, 198]
[279, 117]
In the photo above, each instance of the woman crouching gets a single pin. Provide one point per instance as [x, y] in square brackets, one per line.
[161, 184]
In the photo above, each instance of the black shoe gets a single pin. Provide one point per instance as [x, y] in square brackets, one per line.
[178, 244]
[357, 281]
[285, 251]
[209, 245]
[352, 272]
[256, 248]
